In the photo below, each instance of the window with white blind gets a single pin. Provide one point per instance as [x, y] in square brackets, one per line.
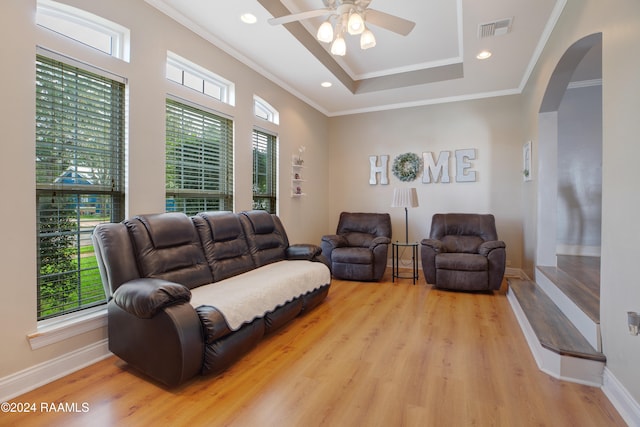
[199, 157]
[80, 132]
[265, 150]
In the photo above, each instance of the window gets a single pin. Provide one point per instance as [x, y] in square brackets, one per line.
[80, 131]
[193, 76]
[199, 155]
[264, 171]
[84, 27]
[263, 110]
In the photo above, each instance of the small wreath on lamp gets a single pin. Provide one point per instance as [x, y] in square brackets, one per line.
[406, 167]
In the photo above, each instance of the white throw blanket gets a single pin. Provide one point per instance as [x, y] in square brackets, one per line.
[250, 295]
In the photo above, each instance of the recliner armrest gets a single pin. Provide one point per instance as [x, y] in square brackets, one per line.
[335, 240]
[381, 240]
[487, 247]
[436, 245]
[303, 251]
[145, 297]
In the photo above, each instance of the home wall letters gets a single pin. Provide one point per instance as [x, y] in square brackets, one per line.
[433, 171]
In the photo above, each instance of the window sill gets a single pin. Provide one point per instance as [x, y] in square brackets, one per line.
[56, 330]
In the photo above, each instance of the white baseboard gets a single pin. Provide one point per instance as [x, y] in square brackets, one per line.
[621, 399]
[35, 376]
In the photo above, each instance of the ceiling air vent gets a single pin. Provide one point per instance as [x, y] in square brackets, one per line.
[495, 28]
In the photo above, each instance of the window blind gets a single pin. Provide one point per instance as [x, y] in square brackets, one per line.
[199, 160]
[264, 171]
[80, 128]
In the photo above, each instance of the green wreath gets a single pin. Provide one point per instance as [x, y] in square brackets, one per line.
[406, 167]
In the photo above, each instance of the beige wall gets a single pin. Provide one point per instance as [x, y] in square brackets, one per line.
[152, 34]
[618, 21]
[491, 126]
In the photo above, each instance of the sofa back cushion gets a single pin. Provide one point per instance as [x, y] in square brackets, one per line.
[167, 247]
[266, 237]
[224, 243]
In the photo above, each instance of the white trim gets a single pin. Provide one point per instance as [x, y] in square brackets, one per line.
[35, 376]
[585, 83]
[119, 36]
[621, 399]
[572, 369]
[60, 329]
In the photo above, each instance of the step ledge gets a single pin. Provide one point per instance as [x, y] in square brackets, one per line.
[563, 367]
[587, 327]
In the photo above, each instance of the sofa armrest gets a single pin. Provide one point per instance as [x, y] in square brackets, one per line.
[436, 245]
[381, 240]
[145, 297]
[303, 251]
[488, 246]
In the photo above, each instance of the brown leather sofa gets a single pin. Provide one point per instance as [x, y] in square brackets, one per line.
[463, 253]
[178, 286]
[358, 250]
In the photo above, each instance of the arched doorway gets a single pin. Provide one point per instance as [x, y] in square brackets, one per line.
[570, 167]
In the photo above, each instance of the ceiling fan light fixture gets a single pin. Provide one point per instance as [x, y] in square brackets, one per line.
[367, 39]
[325, 32]
[339, 47]
[355, 25]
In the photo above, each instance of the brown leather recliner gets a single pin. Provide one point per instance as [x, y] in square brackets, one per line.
[463, 253]
[358, 250]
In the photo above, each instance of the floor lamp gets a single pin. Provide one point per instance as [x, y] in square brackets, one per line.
[405, 198]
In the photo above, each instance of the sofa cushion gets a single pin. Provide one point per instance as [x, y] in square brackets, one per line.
[261, 222]
[164, 254]
[168, 229]
[224, 244]
[250, 295]
[266, 237]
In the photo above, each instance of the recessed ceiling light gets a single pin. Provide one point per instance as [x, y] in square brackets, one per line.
[248, 18]
[483, 55]
[326, 84]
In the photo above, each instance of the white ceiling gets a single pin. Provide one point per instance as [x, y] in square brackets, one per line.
[435, 63]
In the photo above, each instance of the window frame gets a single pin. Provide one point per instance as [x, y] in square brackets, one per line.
[205, 78]
[269, 142]
[181, 188]
[56, 139]
[119, 46]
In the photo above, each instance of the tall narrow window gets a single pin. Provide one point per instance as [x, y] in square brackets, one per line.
[80, 131]
[199, 156]
[264, 171]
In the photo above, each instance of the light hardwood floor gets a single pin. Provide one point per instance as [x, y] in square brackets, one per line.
[373, 354]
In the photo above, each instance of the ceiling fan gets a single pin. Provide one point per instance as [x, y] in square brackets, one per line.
[351, 16]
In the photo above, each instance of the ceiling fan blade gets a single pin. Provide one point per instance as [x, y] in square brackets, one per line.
[299, 16]
[390, 22]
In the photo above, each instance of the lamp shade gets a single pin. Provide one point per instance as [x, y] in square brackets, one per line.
[405, 198]
[325, 32]
[367, 39]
